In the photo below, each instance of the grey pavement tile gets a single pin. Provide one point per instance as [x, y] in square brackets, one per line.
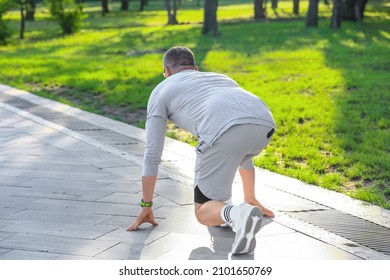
[271, 228]
[62, 158]
[297, 246]
[134, 199]
[175, 191]
[6, 222]
[143, 237]
[122, 221]
[75, 167]
[35, 255]
[66, 217]
[131, 187]
[62, 192]
[52, 183]
[5, 234]
[3, 251]
[283, 201]
[119, 210]
[59, 229]
[100, 158]
[50, 174]
[11, 181]
[176, 246]
[55, 244]
[123, 251]
[179, 220]
[5, 212]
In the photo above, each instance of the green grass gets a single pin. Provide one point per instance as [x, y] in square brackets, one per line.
[329, 90]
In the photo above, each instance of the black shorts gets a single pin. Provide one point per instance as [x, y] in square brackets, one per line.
[199, 197]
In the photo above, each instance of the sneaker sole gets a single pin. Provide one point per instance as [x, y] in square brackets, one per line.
[245, 241]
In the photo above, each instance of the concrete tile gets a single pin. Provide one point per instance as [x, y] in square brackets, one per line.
[44, 174]
[179, 220]
[34, 255]
[59, 229]
[5, 212]
[132, 187]
[176, 246]
[51, 216]
[75, 167]
[11, 181]
[56, 245]
[3, 251]
[52, 183]
[54, 192]
[6, 222]
[5, 234]
[123, 251]
[143, 237]
[297, 246]
[175, 191]
[283, 201]
[100, 158]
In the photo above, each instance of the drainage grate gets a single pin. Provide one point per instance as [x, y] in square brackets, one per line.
[363, 232]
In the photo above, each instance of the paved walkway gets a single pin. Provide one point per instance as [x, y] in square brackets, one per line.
[70, 184]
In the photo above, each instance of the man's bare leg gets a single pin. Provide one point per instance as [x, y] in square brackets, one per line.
[209, 213]
[248, 183]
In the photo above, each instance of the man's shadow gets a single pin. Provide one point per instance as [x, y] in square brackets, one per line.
[222, 239]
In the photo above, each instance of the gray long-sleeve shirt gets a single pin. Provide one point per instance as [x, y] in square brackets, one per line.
[205, 104]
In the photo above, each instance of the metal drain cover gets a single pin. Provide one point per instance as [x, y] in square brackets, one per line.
[353, 228]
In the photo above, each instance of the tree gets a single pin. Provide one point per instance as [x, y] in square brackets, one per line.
[171, 11]
[354, 10]
[312, 14]
[259, 6]
[210, 23]
[335, 20]
[125, 5]
[143, 3]
[296, 7]
[30, 13]
[105, 8]
[23, 8]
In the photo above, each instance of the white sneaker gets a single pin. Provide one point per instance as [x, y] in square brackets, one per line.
[246, 223]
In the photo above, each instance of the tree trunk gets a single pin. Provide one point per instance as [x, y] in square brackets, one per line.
[354, 10]
[259, 9]
[125, 5]
[171, 12]
[143, 3]
[105, 8]
[22, 19]
[335, 20]
[359, 8]
[210, 23]
[274, 4]
[30, 13]
[312, 14]
[296, 7]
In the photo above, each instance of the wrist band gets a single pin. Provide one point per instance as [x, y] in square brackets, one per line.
[145, 204]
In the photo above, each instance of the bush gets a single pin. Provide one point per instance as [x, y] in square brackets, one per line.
[68, 14]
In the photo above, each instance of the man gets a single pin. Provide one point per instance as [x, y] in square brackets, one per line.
[232, 126]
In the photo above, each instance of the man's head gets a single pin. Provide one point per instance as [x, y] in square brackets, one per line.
[177, 59]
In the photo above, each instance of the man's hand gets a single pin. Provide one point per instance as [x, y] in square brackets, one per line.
[145, 216]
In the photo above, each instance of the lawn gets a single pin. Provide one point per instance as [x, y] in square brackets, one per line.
[329, 90]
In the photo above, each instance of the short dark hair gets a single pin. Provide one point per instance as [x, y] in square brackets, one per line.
[179, 56]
